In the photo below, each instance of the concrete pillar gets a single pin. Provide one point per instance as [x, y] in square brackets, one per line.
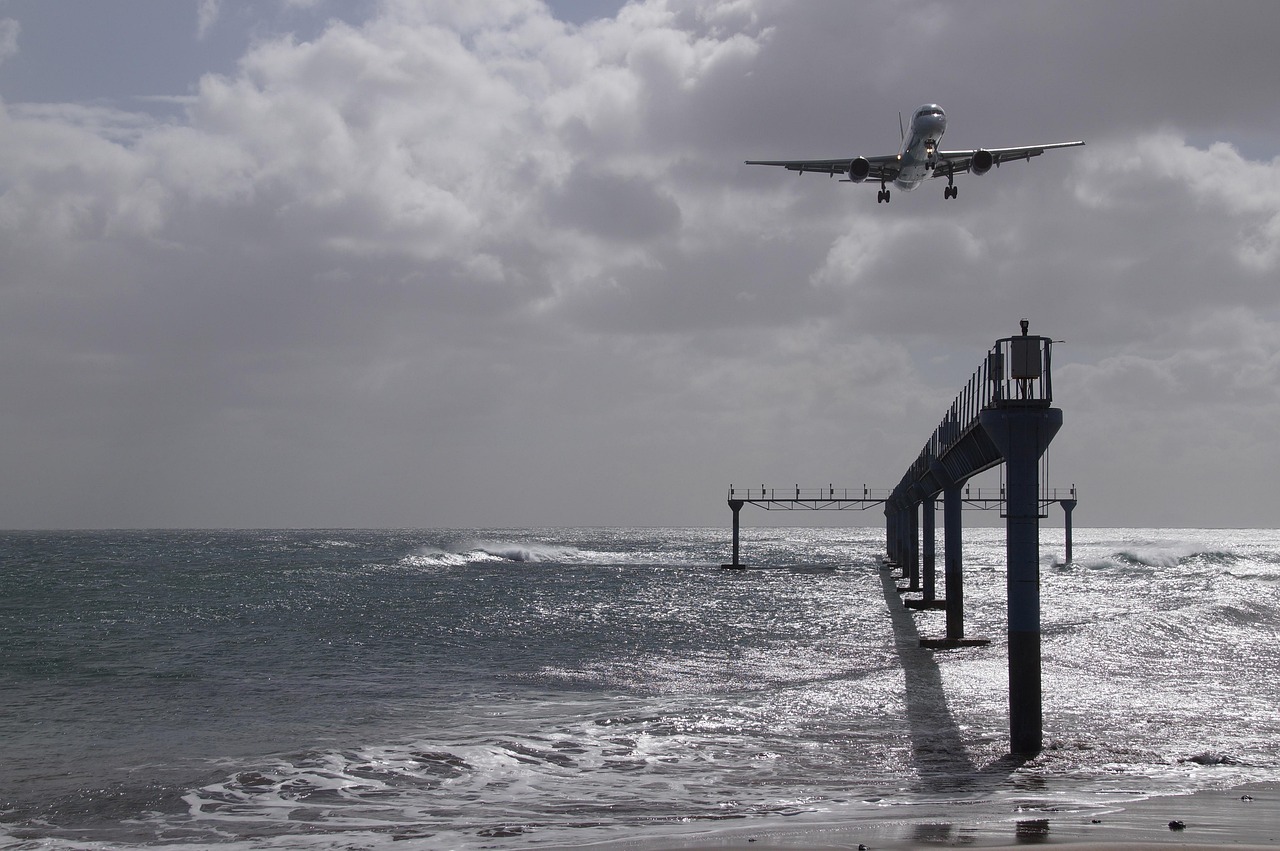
[1022, 435]
[735, 505]
[930, 589]
[912, 572]
[1068, 505]
[900, 537]
[890, 534]
[952, 558]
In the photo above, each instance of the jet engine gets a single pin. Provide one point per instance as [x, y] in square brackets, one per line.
[981, 162]
[859, 169]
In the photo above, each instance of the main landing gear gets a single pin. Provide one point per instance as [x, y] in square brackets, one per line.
[949, 191]
[883, 197]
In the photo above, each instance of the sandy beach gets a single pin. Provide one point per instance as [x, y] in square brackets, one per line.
[1246, 817]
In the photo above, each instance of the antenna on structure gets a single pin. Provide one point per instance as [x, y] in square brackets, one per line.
[901, 130]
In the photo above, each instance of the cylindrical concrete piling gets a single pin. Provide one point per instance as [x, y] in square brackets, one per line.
[1023, 434]
[952, 561]
[1068, 505]
[735, 505]
[928, 556]
[913, 547]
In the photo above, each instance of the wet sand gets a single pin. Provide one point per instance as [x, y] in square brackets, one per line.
[1246, 817]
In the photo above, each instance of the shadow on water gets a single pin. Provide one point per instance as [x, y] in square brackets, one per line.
[937, 746]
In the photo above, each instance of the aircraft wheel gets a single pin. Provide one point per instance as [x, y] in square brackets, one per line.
[886, 196]
[880, 197]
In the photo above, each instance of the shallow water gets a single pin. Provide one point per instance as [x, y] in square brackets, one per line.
[341, 689]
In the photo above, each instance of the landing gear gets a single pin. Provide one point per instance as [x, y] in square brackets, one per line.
[883, 197]
[950, 191]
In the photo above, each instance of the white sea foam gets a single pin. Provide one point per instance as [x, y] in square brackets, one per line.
[523, 552]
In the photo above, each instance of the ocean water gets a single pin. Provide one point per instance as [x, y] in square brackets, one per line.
[562, 687]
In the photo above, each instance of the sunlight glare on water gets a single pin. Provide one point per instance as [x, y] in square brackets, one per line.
[481, 687]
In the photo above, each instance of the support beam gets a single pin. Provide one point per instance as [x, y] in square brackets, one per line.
[913, 547]
[928, 559]
[953, 571]
[735, 505]
[1023, 434]
[953, 560]
[930, 583]
[1068, 505]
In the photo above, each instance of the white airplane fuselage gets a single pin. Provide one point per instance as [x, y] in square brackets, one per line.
[917, 155]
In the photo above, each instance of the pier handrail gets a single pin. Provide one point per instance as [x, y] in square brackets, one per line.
[1016, 373]
[795, 492]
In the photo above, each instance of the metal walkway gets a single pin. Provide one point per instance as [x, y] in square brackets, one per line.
[1004, 415]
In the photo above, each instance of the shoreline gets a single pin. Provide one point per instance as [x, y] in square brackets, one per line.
[1244, 817]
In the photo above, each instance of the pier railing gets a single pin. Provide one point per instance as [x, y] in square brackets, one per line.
[1016, 373]
[831, 497]
[797, 493]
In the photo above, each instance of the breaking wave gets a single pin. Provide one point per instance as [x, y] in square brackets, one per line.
[499, 552]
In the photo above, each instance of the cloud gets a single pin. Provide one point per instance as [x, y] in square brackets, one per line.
[207, 14]
[416, 268]
[9, 32]
[1242, 196]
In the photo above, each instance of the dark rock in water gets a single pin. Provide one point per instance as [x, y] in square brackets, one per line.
[1209, 758]
[253, 778]
[1032, 830]
[443, 758]
[1177, 825]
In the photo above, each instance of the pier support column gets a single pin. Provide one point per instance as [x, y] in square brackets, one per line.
[913, 548]
[1068, 505]
[952, 561]
[890, 535]
[930, 578]
[1022, 435]
[735, 505]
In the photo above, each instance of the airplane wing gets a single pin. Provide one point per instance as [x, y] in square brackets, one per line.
[959, 162]
[882, 168]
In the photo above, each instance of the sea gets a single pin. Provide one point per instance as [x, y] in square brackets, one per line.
[511, 688]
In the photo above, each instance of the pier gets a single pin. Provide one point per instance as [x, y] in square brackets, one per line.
[1003, 416]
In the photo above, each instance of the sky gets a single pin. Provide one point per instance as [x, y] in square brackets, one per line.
[447, 263]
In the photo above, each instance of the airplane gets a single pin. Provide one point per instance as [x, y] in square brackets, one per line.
[918, 158]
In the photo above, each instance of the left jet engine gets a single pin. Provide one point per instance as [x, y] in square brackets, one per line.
[981, 162]
[859, 168]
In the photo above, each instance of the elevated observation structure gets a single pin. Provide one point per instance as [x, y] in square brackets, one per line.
[1004, 415]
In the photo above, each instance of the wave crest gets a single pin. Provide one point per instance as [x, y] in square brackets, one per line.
[491, 552]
